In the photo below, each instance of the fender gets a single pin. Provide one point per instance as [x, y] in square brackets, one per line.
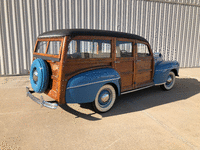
[162, 70]
[82, 88]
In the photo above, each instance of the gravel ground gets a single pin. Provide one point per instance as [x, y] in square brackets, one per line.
[147, 119]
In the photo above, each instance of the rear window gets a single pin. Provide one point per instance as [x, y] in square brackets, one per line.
[89, 49]
[53, 48]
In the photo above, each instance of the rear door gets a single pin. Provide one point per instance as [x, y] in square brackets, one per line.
[87, 53]
[144, 65]
[124, 63]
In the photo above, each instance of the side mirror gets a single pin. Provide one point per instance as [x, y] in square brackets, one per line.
[157, 54]
[158, 57]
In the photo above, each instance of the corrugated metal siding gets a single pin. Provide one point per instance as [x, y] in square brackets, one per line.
[171, 26]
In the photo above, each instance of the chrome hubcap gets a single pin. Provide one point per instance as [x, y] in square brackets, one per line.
[35, 75]
[169, 79]
[105, 97]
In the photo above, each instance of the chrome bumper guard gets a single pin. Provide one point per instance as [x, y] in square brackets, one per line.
[41, 101]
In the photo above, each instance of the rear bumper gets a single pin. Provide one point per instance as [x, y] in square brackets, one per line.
[41, 101]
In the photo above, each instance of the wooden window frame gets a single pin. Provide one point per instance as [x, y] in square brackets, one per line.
[48, 40]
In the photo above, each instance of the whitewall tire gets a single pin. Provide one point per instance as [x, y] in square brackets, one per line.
[105, 98]
[170, 82]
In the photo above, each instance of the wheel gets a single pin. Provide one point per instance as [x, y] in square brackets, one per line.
[39, 75]
[105, 98]
[170, 82]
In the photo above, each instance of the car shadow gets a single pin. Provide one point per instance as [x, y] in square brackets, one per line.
[183, 89]
[79, 114]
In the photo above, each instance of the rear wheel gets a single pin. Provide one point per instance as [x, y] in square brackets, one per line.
[105, 98]
[170, 82]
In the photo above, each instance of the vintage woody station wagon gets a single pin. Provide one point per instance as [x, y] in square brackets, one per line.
[82, 66]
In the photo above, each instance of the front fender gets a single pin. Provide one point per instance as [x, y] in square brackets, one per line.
[162, 71]
[83, 87]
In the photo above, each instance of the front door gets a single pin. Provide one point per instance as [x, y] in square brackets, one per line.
[144, 65]
[124, 63]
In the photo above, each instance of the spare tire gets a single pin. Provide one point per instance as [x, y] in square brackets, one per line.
[39, 75]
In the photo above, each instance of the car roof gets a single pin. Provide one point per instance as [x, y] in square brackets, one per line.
[89, 32]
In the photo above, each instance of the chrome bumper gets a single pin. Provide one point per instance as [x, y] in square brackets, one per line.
[41, 101]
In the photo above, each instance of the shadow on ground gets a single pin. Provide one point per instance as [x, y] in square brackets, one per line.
[183, 89]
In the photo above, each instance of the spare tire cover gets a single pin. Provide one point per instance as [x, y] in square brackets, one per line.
[39, 75]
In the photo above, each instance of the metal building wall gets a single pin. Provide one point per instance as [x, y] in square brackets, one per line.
[171, 26]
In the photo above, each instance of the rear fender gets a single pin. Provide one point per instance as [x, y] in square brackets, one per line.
[83, 87]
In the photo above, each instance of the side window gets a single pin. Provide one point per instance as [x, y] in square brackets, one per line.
[89, 49]
[54, 47]
[41, 47]
[123, 49]
[142, 50]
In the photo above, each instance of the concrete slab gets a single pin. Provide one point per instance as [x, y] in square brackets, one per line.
[147, 119]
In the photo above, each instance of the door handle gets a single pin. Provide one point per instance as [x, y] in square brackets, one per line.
[138, 60]
[117, 62]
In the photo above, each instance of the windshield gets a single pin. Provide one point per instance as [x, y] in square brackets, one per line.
[53, 47]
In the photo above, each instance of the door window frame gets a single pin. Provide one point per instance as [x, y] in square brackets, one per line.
[148, 46]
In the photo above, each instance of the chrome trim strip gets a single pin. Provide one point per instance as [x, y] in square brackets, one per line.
[91, 83]
[41, 101]
[136, 89]
[160, 84]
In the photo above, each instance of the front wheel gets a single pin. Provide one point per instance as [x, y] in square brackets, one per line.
[170, 82]
[105, 98]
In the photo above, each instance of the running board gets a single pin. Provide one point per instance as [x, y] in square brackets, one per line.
[137, 89]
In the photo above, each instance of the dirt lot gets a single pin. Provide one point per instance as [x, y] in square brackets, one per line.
[148, 119]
